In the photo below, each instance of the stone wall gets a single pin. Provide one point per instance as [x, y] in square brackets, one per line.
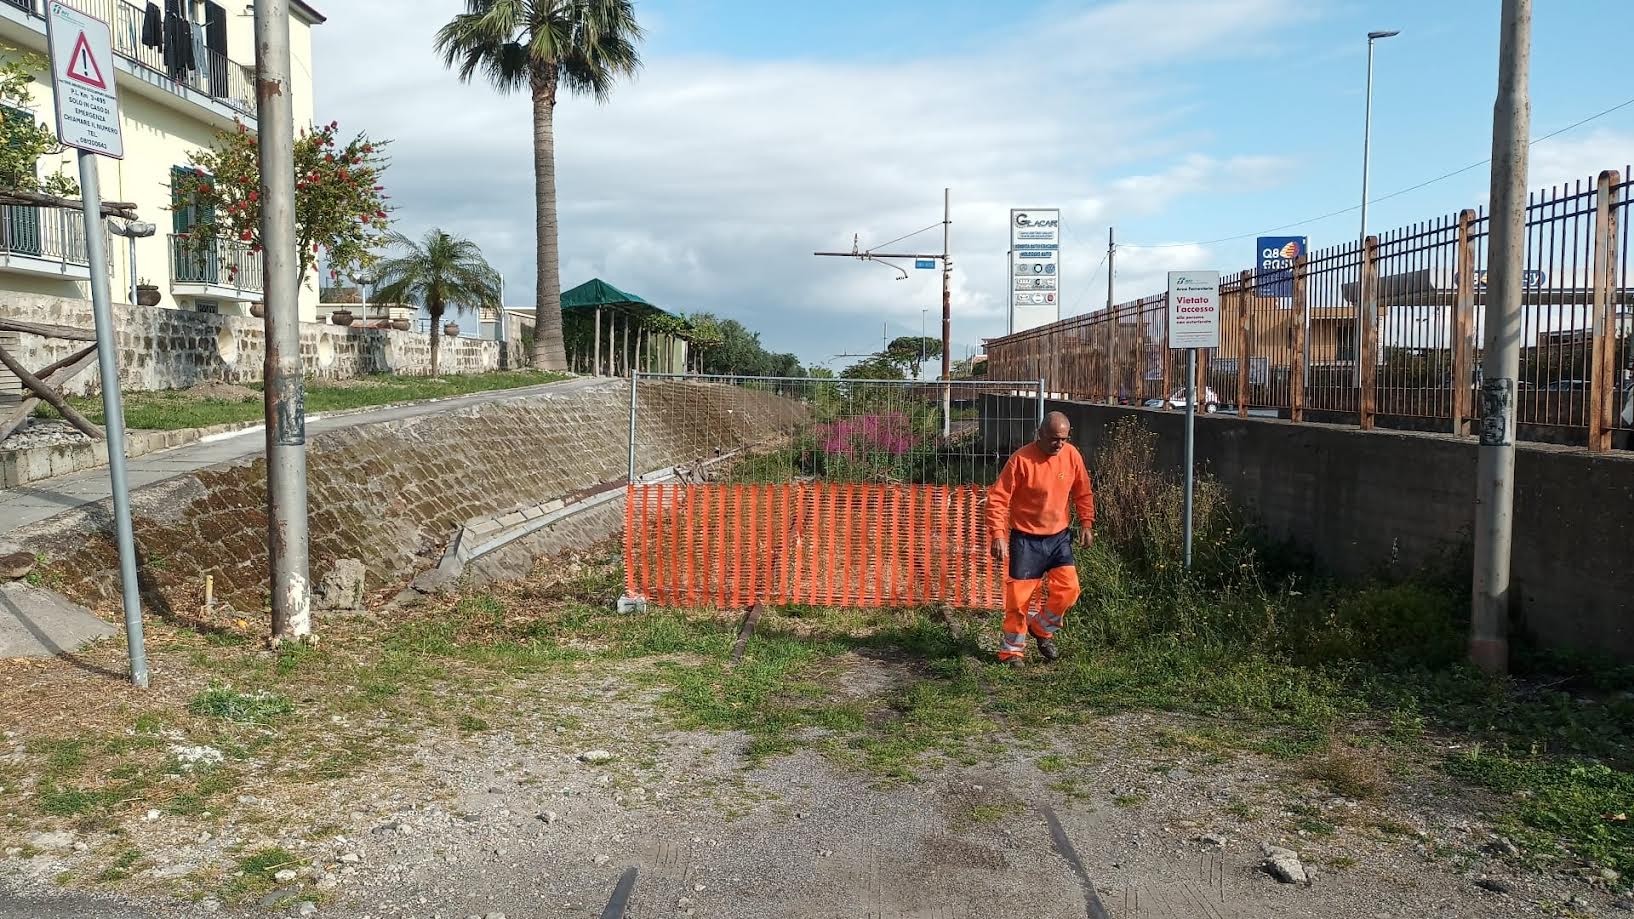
[173, 349]
[394, 493]
[1384, 502]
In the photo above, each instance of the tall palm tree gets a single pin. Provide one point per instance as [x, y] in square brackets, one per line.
[438, 273]
[545, 45]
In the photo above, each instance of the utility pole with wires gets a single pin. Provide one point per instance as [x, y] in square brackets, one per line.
[1495, 463]
[1112, 330]
[1111, 260]
[884, 258]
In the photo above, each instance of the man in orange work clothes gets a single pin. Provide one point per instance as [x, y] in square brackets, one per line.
[1029, 517]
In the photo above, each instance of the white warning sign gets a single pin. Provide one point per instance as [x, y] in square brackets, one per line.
[82, 77]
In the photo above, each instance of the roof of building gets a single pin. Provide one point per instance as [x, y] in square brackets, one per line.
[309, 11]
[598, 294]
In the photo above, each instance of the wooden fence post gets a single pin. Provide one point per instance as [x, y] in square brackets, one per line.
[1603, 376]
[1296, 382]
[1368, 347]
[1463, 326]
[1244, 350]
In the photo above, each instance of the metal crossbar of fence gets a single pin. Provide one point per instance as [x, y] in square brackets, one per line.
[1387, 332]
[843, 492]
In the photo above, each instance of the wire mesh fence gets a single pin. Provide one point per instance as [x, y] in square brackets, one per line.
[1386, 332]
[832, 429]
[840, 492]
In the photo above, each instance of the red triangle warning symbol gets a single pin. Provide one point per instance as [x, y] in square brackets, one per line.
[82, 67]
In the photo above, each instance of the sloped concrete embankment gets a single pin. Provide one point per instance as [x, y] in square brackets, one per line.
[393, 494]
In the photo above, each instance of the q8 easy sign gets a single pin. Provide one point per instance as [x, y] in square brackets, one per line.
[1194, 309]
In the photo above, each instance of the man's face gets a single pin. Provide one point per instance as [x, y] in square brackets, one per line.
[1051, 438]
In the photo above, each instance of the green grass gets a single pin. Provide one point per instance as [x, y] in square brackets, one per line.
[240, 707]
[1587, 803]
[170, 410]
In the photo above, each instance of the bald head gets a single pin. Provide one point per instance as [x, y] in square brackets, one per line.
[1054, 433]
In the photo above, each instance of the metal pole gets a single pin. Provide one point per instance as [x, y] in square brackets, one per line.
[1112, 328]
[632, 428]
[947, 317]
[1495, 467]
[132, 271]
[113, 413]
[1191, 433]
[1111, 257]
[595, 362]
[285, 392]
[921, 342]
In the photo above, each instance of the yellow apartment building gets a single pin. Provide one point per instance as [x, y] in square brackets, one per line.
[185, 70]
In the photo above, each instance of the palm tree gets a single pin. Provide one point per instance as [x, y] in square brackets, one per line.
[442, 271]
[544, 45]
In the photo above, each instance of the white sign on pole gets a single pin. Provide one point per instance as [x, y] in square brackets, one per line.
[1035, 267]
[82, 77]
[1194, 309]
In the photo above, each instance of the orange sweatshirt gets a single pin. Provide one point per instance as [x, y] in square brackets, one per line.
[1032, 493]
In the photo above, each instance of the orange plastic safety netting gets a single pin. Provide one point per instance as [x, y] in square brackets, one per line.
[817, 543]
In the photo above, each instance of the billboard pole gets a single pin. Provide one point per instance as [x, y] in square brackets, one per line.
[1194, 324]
[1191, 438]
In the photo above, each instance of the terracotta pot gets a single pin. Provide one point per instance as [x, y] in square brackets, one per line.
[258, 310]
[341, 317]
[148, 294]
[401, 325]
[451, 330]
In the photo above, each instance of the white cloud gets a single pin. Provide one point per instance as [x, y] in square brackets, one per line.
[1568, 158]
[708, 182]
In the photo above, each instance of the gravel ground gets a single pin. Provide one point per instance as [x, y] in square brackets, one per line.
[42, 433]
[518, 823]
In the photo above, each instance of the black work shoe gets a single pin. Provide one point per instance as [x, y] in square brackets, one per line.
[1014, 663]
[1048, 650]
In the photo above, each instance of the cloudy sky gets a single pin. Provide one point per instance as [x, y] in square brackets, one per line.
[761, 131]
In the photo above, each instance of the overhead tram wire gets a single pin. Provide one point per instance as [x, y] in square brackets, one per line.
[1395, 194]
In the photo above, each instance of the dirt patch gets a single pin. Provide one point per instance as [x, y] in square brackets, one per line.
[221, 392]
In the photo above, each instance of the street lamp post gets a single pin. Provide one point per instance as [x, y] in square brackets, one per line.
[133, 230]
[1367, 150]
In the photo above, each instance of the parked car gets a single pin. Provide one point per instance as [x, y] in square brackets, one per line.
[1211, 400]
[1567, 386]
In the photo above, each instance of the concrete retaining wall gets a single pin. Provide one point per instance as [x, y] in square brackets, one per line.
[173, 349]
[1386, 502]
[394, 493]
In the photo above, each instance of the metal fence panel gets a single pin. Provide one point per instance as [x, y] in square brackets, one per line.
[1387, 331]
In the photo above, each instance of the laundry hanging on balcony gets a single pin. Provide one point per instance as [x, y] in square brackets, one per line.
[178, 39]
[153, 27]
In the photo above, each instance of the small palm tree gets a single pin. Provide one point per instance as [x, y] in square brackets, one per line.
[440, 272]
[544, 45]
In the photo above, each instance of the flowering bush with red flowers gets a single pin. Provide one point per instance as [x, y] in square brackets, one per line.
[340, 205]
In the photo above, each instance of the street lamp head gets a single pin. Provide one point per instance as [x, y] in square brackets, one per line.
[1374, 36]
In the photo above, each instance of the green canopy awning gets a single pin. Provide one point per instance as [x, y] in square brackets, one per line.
[598, 294]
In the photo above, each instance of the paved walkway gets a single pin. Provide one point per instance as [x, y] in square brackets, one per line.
[36, 501]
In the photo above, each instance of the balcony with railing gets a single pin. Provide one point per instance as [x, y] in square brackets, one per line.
[214, 75]
[223, 270]
[44, 241]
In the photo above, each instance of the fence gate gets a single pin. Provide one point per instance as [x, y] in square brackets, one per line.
[804, 490]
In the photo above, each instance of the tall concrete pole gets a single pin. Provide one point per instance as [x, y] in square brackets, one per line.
[1500, 364]
[285, 392]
